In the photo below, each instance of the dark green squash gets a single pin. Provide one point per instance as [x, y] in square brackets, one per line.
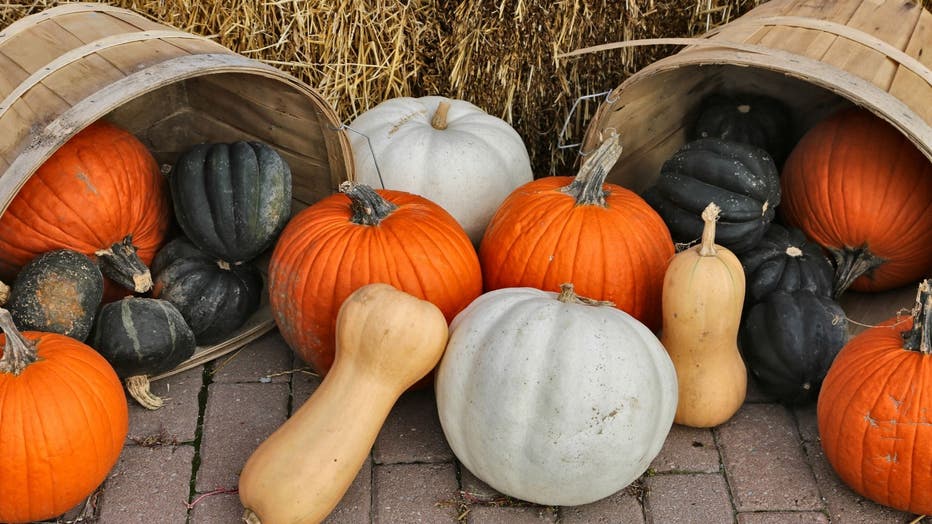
[741, 179]
[789, 341]
[759, 120]
[57, 292]
[214, 297]
[141, 337]
[786, 260]
[231, 200]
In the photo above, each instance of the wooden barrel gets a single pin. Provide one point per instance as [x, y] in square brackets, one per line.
[68, 66]
[816, 56]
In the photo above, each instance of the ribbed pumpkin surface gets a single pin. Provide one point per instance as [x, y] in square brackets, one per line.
[99, 187]
[875, 418]
[854, 181]
[63, 422]
[322, 256]
[618, 252]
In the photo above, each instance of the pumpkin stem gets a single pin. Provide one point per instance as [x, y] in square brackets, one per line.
[439, 120]
[18, 352]
[919, 338]
[851, 263]
[709, 218]
[122, 264]
[4, 293]
[368, 207]
[586, 188]
[250, 517]
[138, 388]
[568, 296]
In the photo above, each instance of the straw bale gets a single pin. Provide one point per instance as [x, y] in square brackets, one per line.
[499, 55]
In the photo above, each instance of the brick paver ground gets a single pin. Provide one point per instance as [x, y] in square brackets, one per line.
[181, 463]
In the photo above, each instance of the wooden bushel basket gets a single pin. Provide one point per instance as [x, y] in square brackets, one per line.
[66, 67]
[816, 56]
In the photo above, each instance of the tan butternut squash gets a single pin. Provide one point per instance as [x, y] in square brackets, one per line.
[703, 293]
[386, 340]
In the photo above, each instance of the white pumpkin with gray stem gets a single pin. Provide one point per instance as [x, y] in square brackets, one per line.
[553, 398]
[447, 150]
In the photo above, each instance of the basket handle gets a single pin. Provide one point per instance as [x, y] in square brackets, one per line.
[843, 31]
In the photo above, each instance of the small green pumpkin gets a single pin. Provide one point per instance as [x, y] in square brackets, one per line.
[789, 340]
[141, 337]
[57, 292]
[740, 178]
[786, 260]
[231, 200]
[214, 297]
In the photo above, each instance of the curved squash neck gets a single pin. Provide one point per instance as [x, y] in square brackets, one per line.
[367, 206]
[586, 188]
[919, 338]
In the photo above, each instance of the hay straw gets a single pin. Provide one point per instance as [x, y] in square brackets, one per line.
[498, 55]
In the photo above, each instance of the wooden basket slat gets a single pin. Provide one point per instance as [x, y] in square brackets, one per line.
[807, 42]
[906, 85]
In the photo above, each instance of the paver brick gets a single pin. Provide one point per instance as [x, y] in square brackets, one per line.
[699, 498]
[414, 493]
[764, 461]
[531, 514]
[621, 508]
[148, 484]
[176, 421]
[782, 517]
[688, 450]
[476, 489]
[808, 422]
[266, 359]
[844, 505]
[238, 417]
[412, 432]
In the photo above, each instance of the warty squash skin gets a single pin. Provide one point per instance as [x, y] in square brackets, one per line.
[703, 294]
[386, 341]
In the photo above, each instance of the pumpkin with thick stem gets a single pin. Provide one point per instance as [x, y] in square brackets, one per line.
[602, 237]
[101, 194]
[875, 407]
[358, 237]
[64, 422]
[446, 150]
[554, 398]
[57, 292]
[858, 187]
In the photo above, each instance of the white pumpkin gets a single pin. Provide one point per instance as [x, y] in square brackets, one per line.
[446, 150]
[553, 400]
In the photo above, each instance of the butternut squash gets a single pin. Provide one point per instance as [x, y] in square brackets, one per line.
[703, 293]
[386, 340]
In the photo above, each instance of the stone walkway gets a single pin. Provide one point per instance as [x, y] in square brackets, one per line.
[180, 464]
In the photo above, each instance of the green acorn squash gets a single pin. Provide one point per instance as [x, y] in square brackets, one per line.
[57, 292]
[141, 337]
[786, 260]
[759, 120]
[231, 200]
[789, 340]
[740, 178]
[214, 297]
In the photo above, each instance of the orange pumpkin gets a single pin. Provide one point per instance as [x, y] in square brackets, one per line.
[875, 411]
[858, 187]
[602, 237]
[64, 422]
[360, 237]
[100, 189]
